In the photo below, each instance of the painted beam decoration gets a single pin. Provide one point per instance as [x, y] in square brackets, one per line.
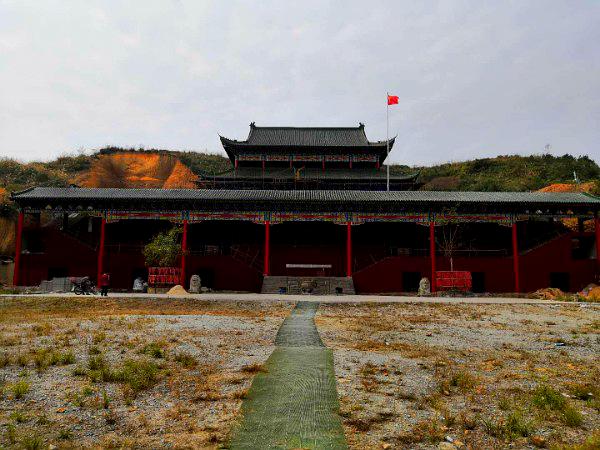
[361, 157]
[341, 218]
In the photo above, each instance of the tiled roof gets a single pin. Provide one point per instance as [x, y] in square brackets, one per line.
[307, 137]
[332, 196]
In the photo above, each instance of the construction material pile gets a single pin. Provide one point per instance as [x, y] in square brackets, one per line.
[177, 290]
[591, 293]
[549, 294]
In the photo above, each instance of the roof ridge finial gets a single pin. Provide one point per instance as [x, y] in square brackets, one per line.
[252, 124]
[361, 125]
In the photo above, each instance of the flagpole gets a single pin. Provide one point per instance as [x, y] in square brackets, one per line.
[387, 139]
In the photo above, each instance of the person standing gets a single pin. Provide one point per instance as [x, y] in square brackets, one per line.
[104, 283]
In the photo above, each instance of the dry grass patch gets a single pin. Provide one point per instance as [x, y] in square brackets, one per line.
[128, 370]
[431, 431]
[29, 309]
[475, 373]
[254, 368]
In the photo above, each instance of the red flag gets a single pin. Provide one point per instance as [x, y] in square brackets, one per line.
[392, 99]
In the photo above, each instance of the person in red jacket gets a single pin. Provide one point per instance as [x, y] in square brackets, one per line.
[104, 283]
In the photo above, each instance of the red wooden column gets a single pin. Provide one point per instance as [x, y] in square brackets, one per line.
[101, 250]
[349, 249]
[432, 253]
[267, 271]
[515, 250]
[597, 231]
[18, 244]
[182, 276]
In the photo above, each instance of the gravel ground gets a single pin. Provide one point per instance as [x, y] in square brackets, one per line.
[470, 376]
[197, 361]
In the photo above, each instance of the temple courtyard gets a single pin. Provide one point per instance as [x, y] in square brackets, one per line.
[335, 372]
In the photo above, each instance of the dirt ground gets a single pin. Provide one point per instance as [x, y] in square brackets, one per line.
[171, 373]
[106, 373]
[466, 376]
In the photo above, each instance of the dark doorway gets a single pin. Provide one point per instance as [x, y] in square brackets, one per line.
[560, 280]
[478, 282]
[410, 281]
[207, 277]
[57, 272]
[141, 272]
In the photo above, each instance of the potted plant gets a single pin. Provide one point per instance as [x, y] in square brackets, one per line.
[160, 256]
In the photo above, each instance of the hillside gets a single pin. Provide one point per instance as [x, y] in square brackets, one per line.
[120, 167]
[507, 173]
[137, 170]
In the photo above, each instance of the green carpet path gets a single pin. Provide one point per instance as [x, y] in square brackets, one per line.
[294, 404]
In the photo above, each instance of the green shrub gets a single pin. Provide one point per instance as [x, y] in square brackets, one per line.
[547, 398]
[79, 371]
[22, 359]
[18, 416]
[32, 442]
[65, 434]
[584, 391]
[138, 374]
[105, 400]
[154, 349]
[516, 425]
[87, 391]
[463, 380]
[571, 417]
[45, 357]
[97, 362]
[11, 433]
[186, 360]
[20, 388]
[99, 337]
[94, 350]
[99, 370]
[592, 442]
[67, 358]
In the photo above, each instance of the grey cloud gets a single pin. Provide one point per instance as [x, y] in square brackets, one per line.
[474, 78]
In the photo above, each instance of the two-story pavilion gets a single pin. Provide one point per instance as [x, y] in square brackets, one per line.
[290, 158]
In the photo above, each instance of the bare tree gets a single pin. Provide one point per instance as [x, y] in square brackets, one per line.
[450, 241]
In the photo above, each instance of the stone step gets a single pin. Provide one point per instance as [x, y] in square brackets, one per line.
[307, 285]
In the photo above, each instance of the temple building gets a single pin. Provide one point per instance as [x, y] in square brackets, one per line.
[312, 203]
[289, 158]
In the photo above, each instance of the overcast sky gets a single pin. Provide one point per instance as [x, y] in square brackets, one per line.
[475, 78]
